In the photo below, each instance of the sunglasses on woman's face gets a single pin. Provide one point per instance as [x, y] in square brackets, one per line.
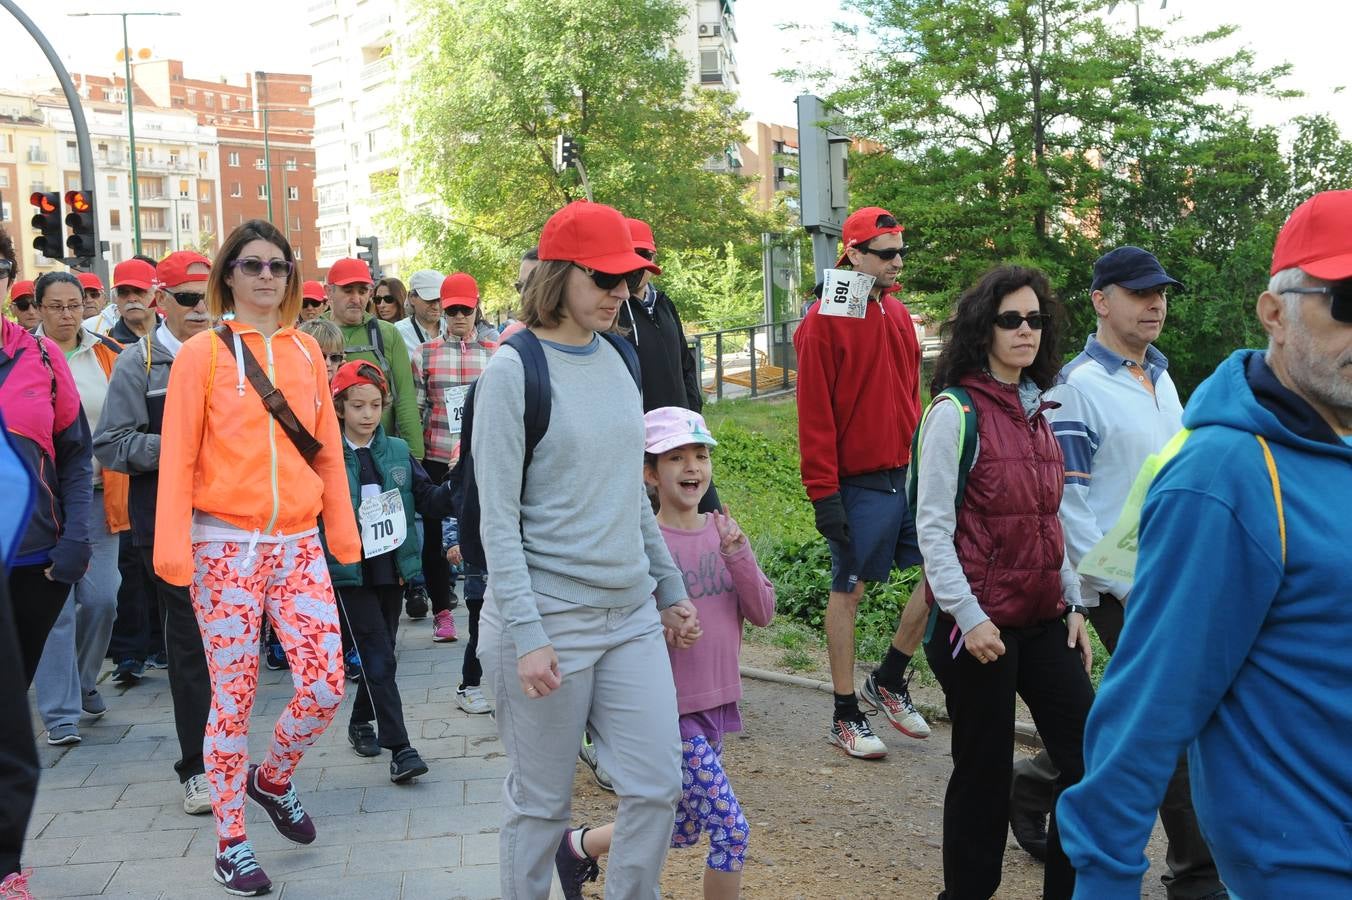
[1340, 298]
[1010, 321]
[311, 304]
[253, 266]
[607, 282]
[23, 305]
[385, 298]
[186, 299]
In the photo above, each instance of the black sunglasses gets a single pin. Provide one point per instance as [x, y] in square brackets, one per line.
[253, 266]
[607, 282]
[93, 293]
[1340, 294]
[890, 253]
[337, 358]
[459, 311]
[23, 305]
[311, 304]
[186, 299]
[385, 298]
[6, 267]
[1012, 320]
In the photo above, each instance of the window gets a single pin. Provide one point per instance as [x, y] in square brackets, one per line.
[4, 179]
[185, 221]
[356, 152]
[173, 159]
[72, 153]
[292, 192]
[115, 219]
[6, 213]
[206, 225]
[72, 181]
[234, 190]
[291, 165]
[183, 189]
[262, 192]
[204, 192]
[6, 143]
[211, 101]
[232, 159]
[112, 185]
[192, 97]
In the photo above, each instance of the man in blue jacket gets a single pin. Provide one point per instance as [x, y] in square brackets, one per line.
[1234, 647]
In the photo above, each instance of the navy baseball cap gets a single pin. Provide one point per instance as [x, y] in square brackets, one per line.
[1132, 268]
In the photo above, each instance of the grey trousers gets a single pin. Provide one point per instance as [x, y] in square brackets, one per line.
[75, 648]
[617, 682]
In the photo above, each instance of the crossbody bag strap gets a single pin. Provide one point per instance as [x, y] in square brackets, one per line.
[272, 398]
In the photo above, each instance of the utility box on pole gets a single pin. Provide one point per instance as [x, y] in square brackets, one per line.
[823, 179]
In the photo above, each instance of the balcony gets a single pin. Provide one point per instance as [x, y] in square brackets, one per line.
[377, 73]
[333, 209]
[37, 156]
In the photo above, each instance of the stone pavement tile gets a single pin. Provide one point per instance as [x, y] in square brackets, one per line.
[140, 698]
[37, 822]
[413, 796]
[413, 667]
[318, 860]
[129, 845]
[480, 849]
[120, 750]
[383, 886]
[167, 875]
[99, 733]
[58, 800]
[400, 856]
[171, 817]
[443, 748]
[343, 802]
[68, 774]
[468, 882]
[102, 821]
[493, 765]
[414, 682]
[38, 852]
[354, 830]
[152, 793]
[365, 773]
[455, 723]
[71, 881]
[156, 731]
[482, 745]
[124, 716]
[149, 770]
[436, 820]
[483, 790]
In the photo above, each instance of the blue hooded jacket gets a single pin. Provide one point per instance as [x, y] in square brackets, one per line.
[1232, 655]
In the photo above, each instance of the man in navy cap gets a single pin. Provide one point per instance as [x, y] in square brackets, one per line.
[1118, 406]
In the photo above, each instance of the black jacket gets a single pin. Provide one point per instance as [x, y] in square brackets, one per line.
[666, 362]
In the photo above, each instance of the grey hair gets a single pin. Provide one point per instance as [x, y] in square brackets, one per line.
[1281, 284]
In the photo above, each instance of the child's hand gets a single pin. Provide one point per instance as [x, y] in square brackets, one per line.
[453, 556]
[680, 624]
[730, 536]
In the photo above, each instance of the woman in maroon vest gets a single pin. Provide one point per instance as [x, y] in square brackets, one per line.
[996, 564]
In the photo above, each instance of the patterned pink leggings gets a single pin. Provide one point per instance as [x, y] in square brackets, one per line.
[230, 593]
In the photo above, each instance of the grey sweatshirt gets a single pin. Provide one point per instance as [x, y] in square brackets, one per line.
[936, 517]
[582, 530]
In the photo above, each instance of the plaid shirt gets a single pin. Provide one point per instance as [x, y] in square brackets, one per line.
[446, 363]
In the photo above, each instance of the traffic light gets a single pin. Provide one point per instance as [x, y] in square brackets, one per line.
[47, 222]
[565, 151]
[81, 222]
[371, 254]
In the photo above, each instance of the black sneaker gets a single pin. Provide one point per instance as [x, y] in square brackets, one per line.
[276, 656]
[406, 766]
[416, 602]
[573, 871]
[129, 672]
[362, 737]
[157, 661]
[352, 665]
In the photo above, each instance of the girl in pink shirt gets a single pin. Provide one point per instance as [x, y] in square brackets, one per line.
[728, 588]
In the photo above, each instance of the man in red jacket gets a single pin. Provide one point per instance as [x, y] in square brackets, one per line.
[858, 406]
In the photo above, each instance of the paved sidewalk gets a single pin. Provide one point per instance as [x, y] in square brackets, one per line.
[109, 819]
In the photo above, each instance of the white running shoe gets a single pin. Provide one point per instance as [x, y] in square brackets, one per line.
[896, 706]
[857, 739]
[196, 796]
[472, 700]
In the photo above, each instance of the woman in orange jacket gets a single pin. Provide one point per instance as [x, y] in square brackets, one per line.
[238, 523]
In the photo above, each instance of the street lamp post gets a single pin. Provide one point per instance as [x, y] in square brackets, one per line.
[131, 121]
[267, 141]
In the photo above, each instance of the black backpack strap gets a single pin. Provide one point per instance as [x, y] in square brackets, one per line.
[628, 354]
[273, 399]
[378, 346]
[538, 398]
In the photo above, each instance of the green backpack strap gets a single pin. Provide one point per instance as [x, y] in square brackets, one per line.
[967, 436]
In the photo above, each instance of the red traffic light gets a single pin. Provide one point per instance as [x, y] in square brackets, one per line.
[43, 201]
[78, 201]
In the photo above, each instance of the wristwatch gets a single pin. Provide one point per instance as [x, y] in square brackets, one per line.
[1077, 608]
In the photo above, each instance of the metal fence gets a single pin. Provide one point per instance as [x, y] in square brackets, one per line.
[750, 361]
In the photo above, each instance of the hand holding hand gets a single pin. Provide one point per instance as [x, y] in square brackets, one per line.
[454, 556]
[680, 624]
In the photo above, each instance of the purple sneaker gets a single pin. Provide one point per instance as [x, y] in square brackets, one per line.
[288, 817]
[238, 870]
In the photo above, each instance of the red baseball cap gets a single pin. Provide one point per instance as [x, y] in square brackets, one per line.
[173, 269]
[1317, 239]
[134, 273]
[459, 289]
[89, 280]
[642, 235]
[21, 289]
[592, 235]
[862, 227]
[313, 290]
[350, 271]
[359, 371]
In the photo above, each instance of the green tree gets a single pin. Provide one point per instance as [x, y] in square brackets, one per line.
[494, 82]
[714, 288]
[1033, 131]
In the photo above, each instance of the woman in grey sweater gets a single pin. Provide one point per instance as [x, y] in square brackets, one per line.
[570, 636]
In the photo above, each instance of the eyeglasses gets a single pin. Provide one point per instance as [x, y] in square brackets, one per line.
[459, 311]
[889, 254]
[186, 299]
[76, 311]
[645, 253]
[23, 305]
[607, 282]
[253, 266]
[1340, 305]
[93, 293]
[1011, 320]
[337, 358]
[311, 304]
[6, 268]
[385, 298]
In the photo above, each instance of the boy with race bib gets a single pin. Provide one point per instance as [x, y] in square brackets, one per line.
[387, 484]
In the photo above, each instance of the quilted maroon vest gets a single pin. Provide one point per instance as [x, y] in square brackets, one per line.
[1009, 538]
